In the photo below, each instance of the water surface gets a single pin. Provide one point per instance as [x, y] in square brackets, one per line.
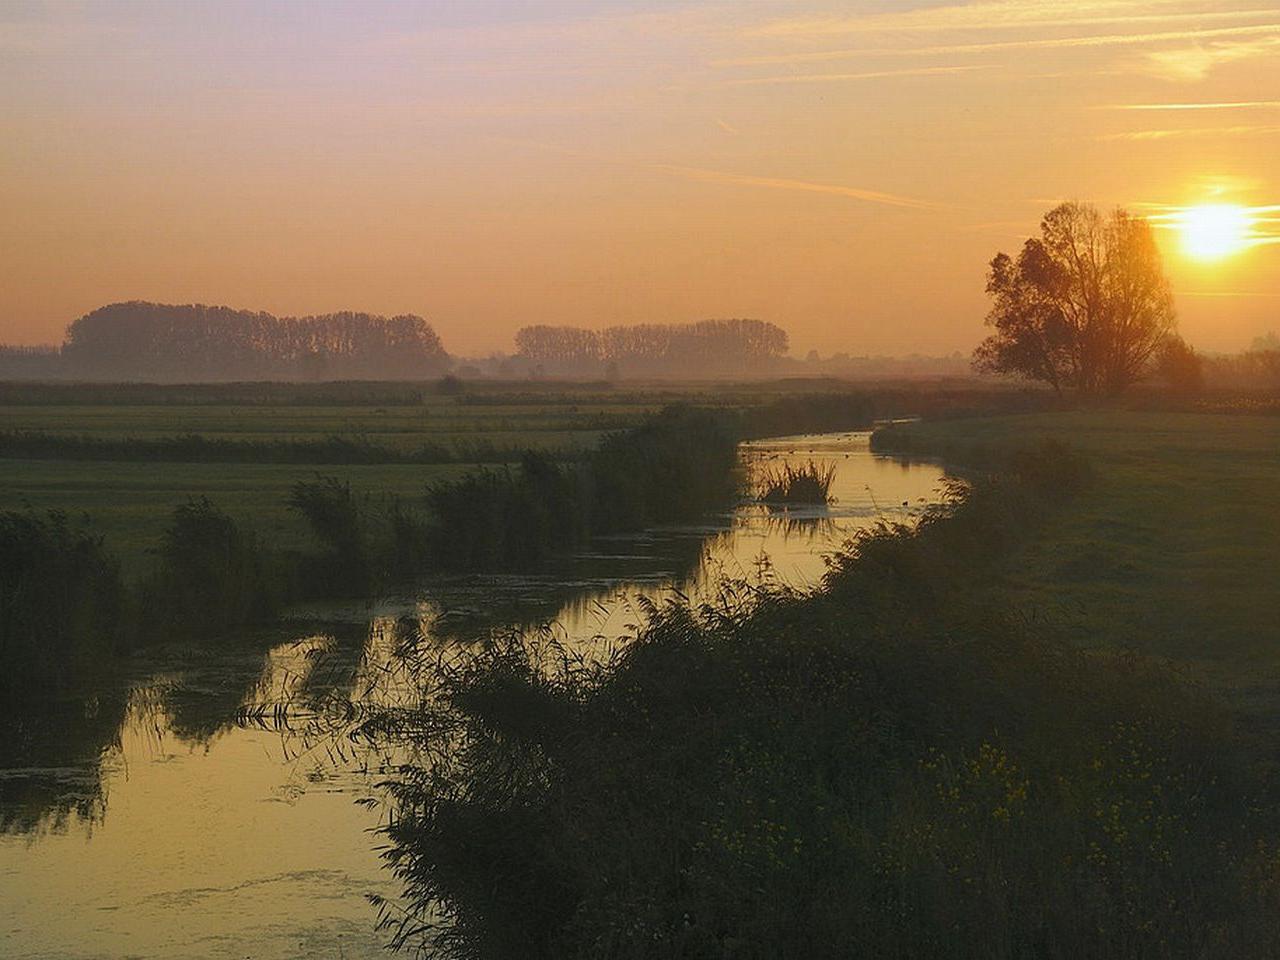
[185, 813]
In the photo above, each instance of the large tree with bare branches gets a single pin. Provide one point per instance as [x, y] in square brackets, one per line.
[1085, 306]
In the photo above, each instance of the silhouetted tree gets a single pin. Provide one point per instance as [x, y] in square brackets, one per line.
[1085, 305]
[139, 340]
[1179, 366]
[559, 349]
[698, 349]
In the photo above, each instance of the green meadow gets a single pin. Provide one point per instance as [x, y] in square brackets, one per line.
[1174, 551]
[129, 501]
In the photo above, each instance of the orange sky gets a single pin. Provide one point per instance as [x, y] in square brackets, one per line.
[844, 170]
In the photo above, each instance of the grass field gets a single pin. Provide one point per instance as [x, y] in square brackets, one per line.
[129, 502]
[398, 427]
[1175, 551]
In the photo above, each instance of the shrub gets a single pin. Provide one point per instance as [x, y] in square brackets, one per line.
[860, 772]
[505, 519]
[345, 568]
[674, 467]
[61, 602]
[211, 576]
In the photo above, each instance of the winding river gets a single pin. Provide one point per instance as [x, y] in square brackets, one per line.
[181, 814]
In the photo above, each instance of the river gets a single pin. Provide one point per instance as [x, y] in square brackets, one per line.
[183, 813]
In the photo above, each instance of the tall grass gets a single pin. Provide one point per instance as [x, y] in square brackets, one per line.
[894, 767]
[805, 483]
[210, 578]
[197, 448]
[675, 466]
[344, 568]
[506, 519]
[61, 604]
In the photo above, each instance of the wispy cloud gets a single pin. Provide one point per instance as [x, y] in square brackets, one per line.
[1003, 14]
[1230, 294]
[777, 183]
[1271, 30]
[1242, 130]
[1219, 105]
[1197, 61]
[868, 75]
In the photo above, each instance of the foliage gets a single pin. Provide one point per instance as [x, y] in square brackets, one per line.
[701, 349]
[335, 518]
[505, 519]
[61, 604]
[808, 483]
[674, 466]
[1085, 306]
[211, 577]
[29, 363]
[893, 767]
[198, 342]
[1257, 369]
[1179, 366]
[559, 349]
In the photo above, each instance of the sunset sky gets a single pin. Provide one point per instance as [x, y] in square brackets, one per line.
[845, 170]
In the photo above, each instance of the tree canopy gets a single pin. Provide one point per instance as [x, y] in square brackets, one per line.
[198, 342]
[688, 349]
[1085, 306]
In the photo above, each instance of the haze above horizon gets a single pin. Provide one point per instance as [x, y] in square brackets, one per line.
[843, 170]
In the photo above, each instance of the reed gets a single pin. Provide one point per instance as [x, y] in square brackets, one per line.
[61, 604]
[805, 483]
[895, 766]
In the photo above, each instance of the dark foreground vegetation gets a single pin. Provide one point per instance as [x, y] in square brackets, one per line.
[197, 448]
[211, 574]
[898, 766]
[806, 483]
[66, 612]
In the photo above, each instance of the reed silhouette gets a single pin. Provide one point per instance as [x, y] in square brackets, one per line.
[897, 765]
[807, 483]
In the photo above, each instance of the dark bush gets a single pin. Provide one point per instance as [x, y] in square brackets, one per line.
[864, 772]
[61, 603]
[211, 577]
[345, 569]
[674, 467]
[506, 519]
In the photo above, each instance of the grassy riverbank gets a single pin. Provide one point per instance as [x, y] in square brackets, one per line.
[904, 765]
[1173, 552]
[126, 455]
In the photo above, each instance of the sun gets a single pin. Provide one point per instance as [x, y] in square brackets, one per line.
[1213, 231]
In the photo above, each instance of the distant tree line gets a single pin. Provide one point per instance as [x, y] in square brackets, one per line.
[139, 340]
[30, 363]
[704, 348]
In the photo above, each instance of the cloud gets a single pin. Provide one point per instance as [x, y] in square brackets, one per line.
[1197, 61]
[1036, 43]
[1002, 14]
[1220, 105]
[1186, 132]
[776, 183]
[869, 75]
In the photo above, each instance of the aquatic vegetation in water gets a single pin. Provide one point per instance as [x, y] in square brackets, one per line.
[805, 483]
[889, 767]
